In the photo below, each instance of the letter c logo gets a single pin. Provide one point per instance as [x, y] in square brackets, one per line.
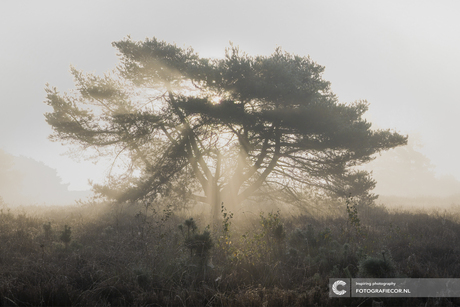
[339, 283]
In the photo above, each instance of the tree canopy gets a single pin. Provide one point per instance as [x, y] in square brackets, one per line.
[218, 130]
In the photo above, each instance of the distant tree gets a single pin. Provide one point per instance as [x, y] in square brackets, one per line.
[406, 172]
[218, 130]
[26, 181]
[10, 178]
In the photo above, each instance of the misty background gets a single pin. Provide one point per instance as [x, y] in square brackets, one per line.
[400, 56]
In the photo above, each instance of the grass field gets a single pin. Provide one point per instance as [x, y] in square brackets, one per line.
[100, 255]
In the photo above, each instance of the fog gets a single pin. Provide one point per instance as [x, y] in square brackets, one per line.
[406, 172]
[400, 56]
[166, 247]
[24, 181]
[404, 176]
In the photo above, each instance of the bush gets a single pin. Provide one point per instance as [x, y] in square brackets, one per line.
[377, 267]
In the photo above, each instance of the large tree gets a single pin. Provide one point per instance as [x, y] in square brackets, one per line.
[219, 130]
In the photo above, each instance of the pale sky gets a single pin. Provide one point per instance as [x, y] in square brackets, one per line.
[401, 56]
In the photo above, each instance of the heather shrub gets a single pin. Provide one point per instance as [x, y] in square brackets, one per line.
[139, 256]
[373, 267]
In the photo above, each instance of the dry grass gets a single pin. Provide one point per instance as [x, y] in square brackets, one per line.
[129, 256]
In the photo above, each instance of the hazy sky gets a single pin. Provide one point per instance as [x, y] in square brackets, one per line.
[402, 56]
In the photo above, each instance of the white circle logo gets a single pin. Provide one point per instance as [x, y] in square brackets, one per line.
[339, 283]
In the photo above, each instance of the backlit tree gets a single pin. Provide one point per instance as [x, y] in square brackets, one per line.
[218, 130]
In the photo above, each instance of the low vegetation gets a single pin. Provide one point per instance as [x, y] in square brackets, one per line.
[114, 255]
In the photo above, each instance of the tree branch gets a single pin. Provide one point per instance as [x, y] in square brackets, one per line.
[271, 166]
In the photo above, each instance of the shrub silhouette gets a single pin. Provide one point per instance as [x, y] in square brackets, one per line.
[372, 267]
[201, 243]
[66, 236]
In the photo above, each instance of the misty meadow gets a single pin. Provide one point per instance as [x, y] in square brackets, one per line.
[233, 182]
